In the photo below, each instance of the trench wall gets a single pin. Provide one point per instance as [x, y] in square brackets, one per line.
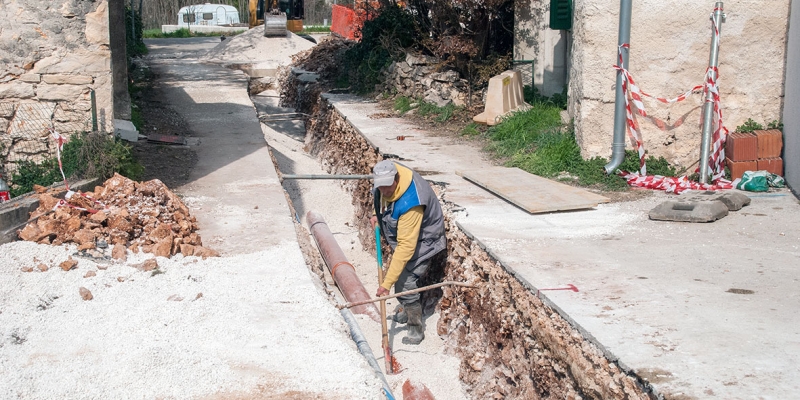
[512, 344]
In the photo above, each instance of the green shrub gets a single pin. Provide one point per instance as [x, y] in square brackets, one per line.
[472, 129]
[383, 40]
[83, 156]
[775, 124]
[749, 126]
[536, 141]
[439, 114]
[402, 104]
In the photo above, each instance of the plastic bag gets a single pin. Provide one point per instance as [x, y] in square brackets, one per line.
[759, 181]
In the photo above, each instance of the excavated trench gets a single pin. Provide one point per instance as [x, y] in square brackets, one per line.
[511, 343]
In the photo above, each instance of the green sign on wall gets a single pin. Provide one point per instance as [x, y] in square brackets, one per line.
[561, 14]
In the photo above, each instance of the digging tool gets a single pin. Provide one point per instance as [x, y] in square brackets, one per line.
[417, 290]
[387, 351]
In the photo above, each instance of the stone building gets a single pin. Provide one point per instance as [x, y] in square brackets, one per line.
[669, 53]
[52, 56]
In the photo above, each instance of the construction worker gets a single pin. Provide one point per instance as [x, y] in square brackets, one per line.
[412, 223]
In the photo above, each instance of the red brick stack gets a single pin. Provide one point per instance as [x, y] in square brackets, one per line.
[759, 150]
[770, 143]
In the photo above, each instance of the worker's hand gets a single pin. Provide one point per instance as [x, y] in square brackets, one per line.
[381, 292]
[373, 221]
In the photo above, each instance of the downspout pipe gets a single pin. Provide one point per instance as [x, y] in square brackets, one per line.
[708, 107]
[344, 274]
[620, 118]
[365, 350]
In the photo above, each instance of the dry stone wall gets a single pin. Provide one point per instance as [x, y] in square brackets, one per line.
[670, 43]
[418, 77]
[52, 55]
[511, 343]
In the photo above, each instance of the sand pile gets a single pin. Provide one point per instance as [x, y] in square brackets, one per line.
[144, 216]
[252, 46]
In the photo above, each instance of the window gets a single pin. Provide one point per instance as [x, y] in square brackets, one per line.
[188, 18]
[208, 16]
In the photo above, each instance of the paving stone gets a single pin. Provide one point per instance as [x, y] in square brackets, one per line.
[733, 200]
[689, 211]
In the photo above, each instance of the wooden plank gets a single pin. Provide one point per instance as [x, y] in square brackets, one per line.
[532, 193]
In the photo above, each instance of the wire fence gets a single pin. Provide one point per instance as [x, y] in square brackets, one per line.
[26, 143]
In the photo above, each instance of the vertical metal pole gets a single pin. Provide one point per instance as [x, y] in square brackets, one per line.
[94, 111]
[133, 24]
[708, 107]
[620, 119]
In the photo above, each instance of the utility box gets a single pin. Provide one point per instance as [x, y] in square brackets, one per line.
[561, 14]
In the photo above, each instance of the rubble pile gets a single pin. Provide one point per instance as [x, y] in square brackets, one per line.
[138, 216]
[325, 59]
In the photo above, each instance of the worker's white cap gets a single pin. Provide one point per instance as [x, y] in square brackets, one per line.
[383, 173]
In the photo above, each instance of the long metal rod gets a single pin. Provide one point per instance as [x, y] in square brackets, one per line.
[366, 351]
[326, 177]
[413, 291]
[620, 119]
[708, 107]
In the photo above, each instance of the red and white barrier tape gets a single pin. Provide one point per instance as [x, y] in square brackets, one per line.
[675, 185]
[60, 140]
[717, 157]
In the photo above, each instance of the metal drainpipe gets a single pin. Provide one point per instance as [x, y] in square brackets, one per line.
[365, 350]
[708, 107]
[342, 271]
[620, 119]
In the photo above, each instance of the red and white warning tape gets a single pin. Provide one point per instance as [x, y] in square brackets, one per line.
[60, 140]
[717, 157]
[671, 184]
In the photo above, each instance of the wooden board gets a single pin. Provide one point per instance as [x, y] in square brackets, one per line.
[532, 193]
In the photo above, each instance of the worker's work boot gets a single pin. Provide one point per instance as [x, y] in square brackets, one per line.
[416, 333]
[400, 315]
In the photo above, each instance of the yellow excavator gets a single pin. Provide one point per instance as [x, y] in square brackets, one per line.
[278, 16]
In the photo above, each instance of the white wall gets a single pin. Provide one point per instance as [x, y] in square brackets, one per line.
[791, 116]
[670, 47]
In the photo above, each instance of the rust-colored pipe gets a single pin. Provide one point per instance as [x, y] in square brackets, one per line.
[344, 274]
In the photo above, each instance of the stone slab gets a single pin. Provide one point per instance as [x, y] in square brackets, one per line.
[733, 199]
[125, 130]
[689, 211]
[532, 193]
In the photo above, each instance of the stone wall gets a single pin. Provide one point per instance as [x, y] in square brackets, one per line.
[418, 77]
[52, 55]
[669, 53]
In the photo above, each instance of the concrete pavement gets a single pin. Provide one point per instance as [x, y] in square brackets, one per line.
[698, 310]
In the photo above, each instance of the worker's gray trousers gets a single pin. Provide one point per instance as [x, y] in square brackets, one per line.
[408, 280]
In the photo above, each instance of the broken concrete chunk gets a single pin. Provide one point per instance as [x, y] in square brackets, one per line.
[149, 264]
[26, 269]
[85, 293]
[174, 297]
[204, 252]
[90, 274]
[69, 264]
[119, 253]
[43, 267]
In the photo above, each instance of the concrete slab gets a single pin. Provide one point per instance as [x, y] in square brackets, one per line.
[733, 199]
[532, 193]
[234, 183]
[668, 300]
[689, 211]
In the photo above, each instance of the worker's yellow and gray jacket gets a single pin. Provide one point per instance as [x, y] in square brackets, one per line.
[412, 222]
